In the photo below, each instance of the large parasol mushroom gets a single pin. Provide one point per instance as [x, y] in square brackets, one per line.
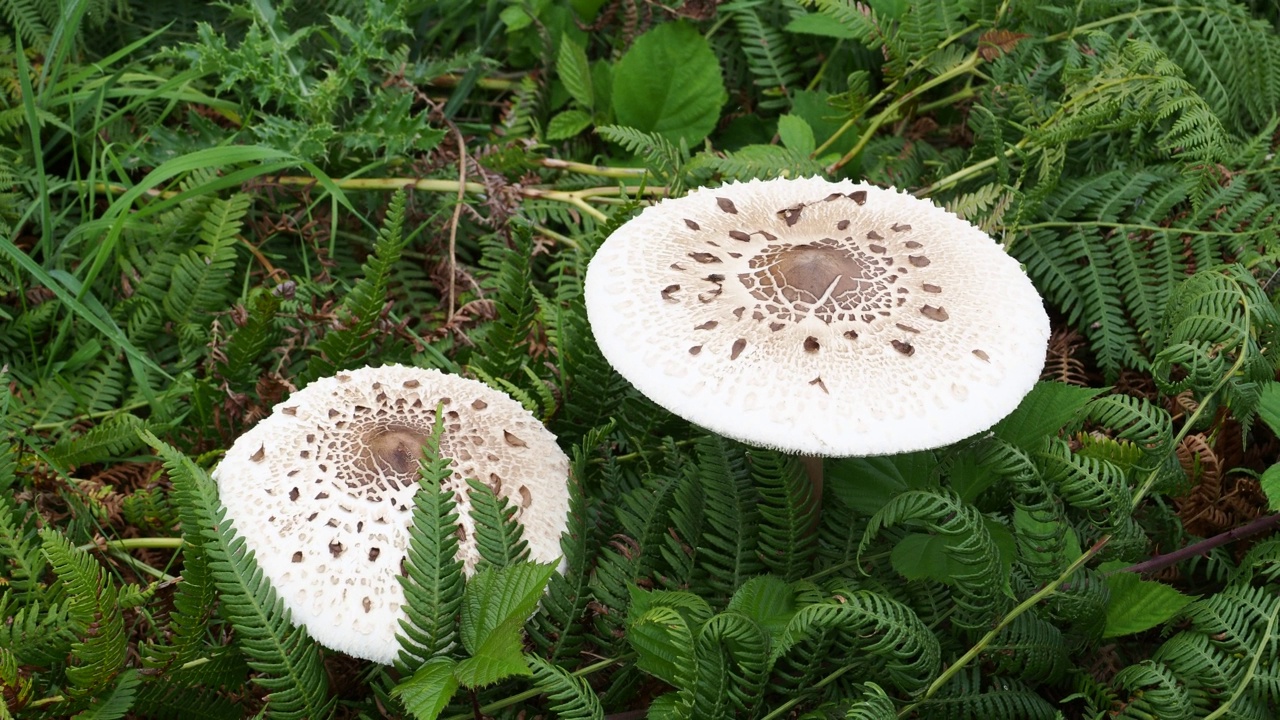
[322, 491]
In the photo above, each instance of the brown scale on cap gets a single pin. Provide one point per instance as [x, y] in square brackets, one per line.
[836, 280]
[856, 287]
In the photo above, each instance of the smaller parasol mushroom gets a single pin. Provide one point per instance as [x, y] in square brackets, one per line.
[820, 318]
[322, 491]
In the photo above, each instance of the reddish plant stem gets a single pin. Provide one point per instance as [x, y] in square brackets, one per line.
[1160, 562]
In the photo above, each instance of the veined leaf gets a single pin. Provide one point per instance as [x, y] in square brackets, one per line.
[428, 691]
[495, 606]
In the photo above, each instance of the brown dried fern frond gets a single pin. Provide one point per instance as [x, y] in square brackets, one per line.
[1063, 362]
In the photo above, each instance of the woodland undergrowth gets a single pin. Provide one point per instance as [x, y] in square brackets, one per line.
[203, 207]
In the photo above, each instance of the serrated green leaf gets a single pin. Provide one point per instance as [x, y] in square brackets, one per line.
[568, 124]
[920, 556]
[495, 606]
[1045, 410]
[669, 83]
[575, 72]
[818, 24]
[769, 601]
[427, 692]
[1138, 604]
[866, 484]
[1269, 406]
[1270, 482]
[796, 134]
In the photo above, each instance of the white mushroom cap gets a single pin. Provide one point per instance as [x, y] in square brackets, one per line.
[322, 491]
[831, 319]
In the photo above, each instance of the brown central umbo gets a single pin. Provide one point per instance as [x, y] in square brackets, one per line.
[832, 280]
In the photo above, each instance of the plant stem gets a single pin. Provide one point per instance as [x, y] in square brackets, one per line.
[528, 694]
[597, 170]
[891, 111]
[486, 83]
[1005, 621]
[1247, 678]
[1160, 562]
[155, 543]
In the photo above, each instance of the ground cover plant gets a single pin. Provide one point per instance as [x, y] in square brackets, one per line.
[206, 206]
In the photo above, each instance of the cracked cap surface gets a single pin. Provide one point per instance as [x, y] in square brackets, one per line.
[322, 491]
[832, 319]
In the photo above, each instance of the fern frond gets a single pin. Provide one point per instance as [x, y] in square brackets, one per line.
[114, 437]
[770, 57]
[968, 542]
[499, 536]
[504, 347]
[201, 275]
[967, 695]
[251, 339]
[733, 667]
[1210, 41]
[104, 387]
[24, 17]
[285, 656]
[680, 545]
[1085, 482]
[93, 608]
[35, 634]
[883, 638]
[728, 551]
[873, 704]
[573, 697]
[786, 513]
[759, 161]
[433, 583]
[20, 548]
[663, 159]
[560, 629]
[362, 306]
[1029, 649]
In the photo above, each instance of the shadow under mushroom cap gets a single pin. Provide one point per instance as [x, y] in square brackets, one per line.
[322, 491]
[824, 318]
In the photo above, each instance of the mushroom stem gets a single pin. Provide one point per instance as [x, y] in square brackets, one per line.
[813, 468]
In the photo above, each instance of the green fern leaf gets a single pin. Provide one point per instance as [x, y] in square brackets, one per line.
[24, 17]
[20, 548]
[34, 636]
[963, 538]
[362, 306]
[728, 551]
[786, 513]
[286, 658]
[433, 583]
[202, 275]
[503, 348]
[499, 536]
[99, 656]
[573, 698]
[769, 54]
[117, 703]
[250, 339]
[874, 704]
[882, 638]
[112, 438]
[560, 630]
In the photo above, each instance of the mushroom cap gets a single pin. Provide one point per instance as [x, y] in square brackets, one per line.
[831, 319]
[322, 491]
